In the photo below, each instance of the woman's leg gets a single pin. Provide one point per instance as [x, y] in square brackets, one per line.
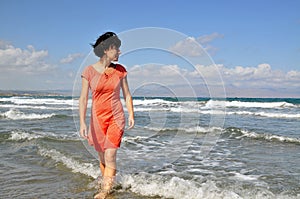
[110, 157]
[108, 163]
[102, 162]
[109, 172]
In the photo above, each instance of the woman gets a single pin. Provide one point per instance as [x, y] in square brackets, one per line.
[105, 79]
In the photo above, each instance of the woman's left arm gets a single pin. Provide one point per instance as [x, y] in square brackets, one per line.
[128, 100]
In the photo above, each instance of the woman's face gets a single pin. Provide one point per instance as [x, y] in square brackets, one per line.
[113, 53]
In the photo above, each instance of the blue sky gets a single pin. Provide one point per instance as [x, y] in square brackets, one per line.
[246, 37]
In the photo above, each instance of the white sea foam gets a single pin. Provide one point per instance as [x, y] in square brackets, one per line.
[219, 112]
[179, 188]
[20, 135]
[259, 114]
[217, 107]
[149, 101]
[182, 109]
[138, 102]
[132, 139]
[154, 185]
[187, 129]
[150, 109]
[76, 166]
[212, 104]
[277, 115]
[179, 109]
[216, 104]
[15, 114]
[39, 101]
[269, 137]
[244, 177]
[14, 106]
[161, 185]
[266, 114]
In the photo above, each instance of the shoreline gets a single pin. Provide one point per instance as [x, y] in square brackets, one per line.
[11, 93]
[67, 93]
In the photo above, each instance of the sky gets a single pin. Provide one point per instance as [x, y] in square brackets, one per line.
[230, 48]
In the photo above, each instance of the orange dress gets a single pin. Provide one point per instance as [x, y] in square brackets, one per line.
[107, 115]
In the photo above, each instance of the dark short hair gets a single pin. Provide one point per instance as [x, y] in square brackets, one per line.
[106, 41]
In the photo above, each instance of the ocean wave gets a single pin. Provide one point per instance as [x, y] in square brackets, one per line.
[39, 101]
[159, 101]
[213, 103]
[193, 129]
[19, 135]
[75, 165]
[145, 184]
[154, 185]
[150, 109]
[164, 185]
[266, 114]
[179, 109]
[15, 114]
[23, 136]
[207, 104]
[14, 106]
[244, 177]
[218, 112]
[175, 187]
[133, 139]
[271, 137]
[219, 103]
[263, 136]
[137, 102]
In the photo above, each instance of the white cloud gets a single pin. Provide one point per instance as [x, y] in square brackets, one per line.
[155, 79]
[171, 71]
[70, 58]
[209, 38]
[25, 60]
[195, 47]
[29, 69]
[263, 71]
[293, 75]
[163, 74]
[256, 81]
[262, 75]
[188, 47]
[4, 44]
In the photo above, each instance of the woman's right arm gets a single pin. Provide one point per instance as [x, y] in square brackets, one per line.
[83, 100]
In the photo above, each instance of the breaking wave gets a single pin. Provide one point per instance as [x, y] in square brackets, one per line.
[15, 114]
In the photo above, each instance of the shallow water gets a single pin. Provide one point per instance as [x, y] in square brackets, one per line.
[179, 148]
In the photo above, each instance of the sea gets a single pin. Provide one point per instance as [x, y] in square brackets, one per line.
[180, 148]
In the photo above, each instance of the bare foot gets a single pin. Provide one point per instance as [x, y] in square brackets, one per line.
[101, 195]
[106, 187]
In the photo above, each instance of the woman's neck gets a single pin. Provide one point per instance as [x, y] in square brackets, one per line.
[104, 62]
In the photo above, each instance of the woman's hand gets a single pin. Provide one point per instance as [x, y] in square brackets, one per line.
[83, 131]
[130, 123]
